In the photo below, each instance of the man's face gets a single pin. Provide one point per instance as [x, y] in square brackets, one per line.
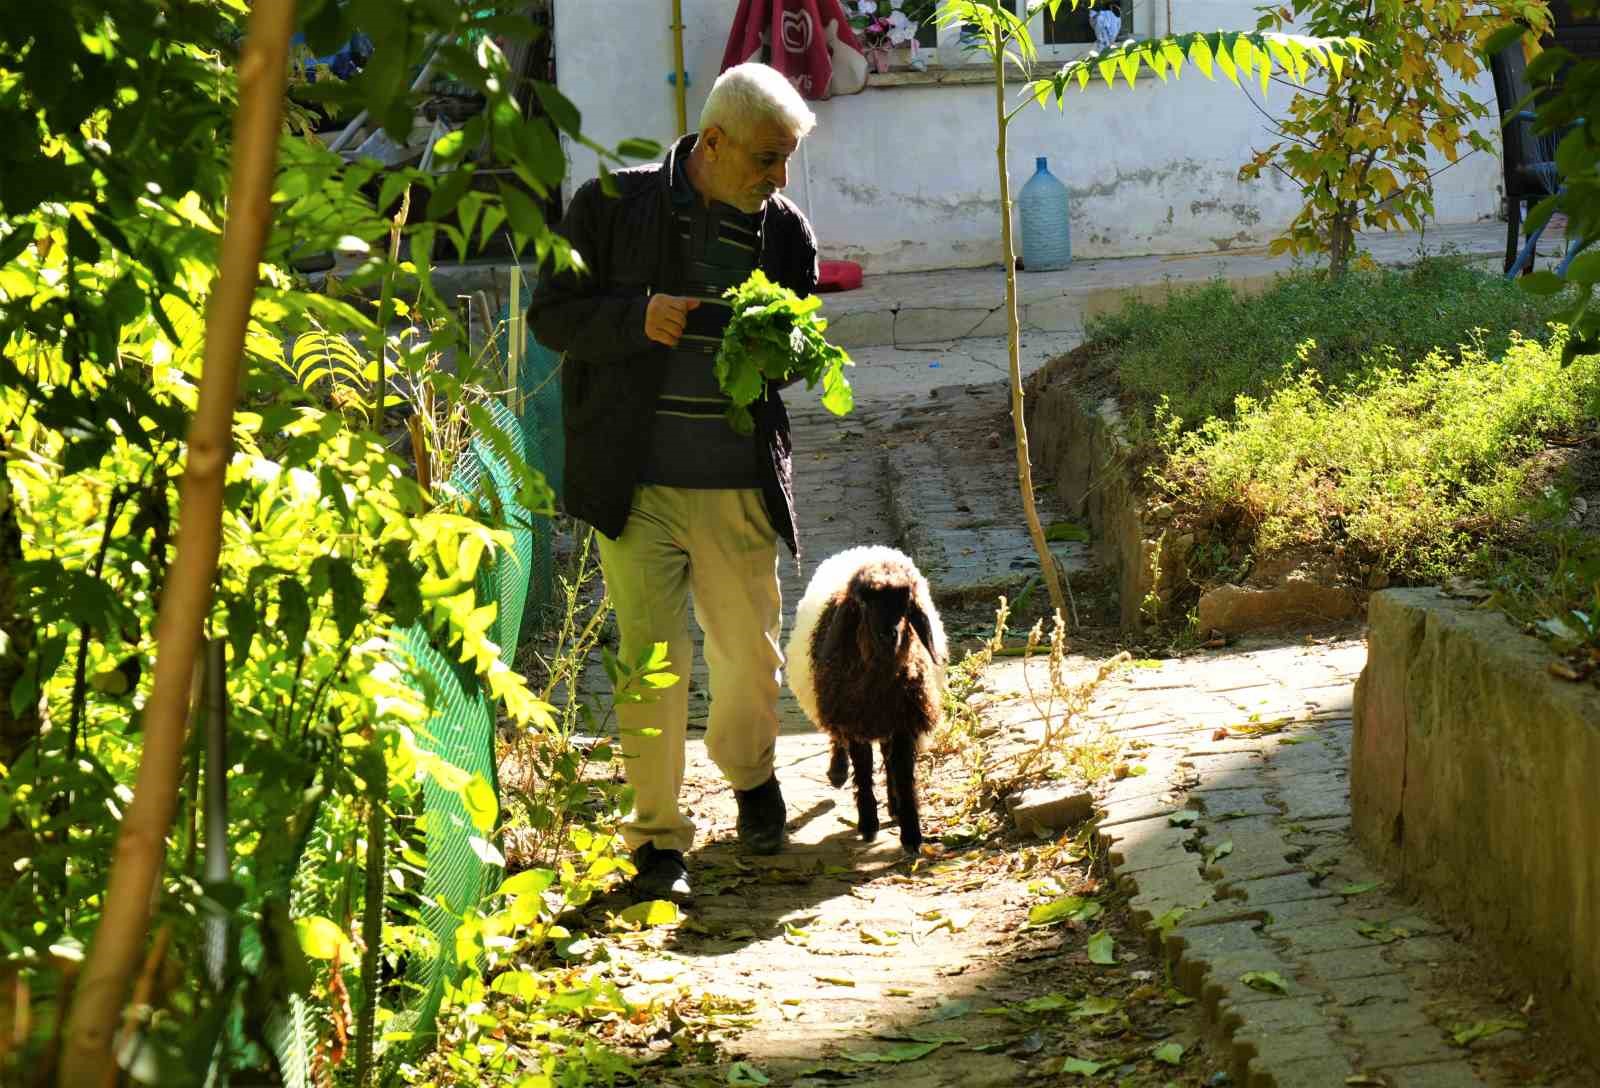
[747, 169]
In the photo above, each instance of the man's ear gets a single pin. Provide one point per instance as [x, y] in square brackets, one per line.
[712, 139]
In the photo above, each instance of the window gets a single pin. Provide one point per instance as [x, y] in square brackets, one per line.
[1067, 35]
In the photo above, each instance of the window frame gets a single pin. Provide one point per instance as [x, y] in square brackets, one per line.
[1137, 16]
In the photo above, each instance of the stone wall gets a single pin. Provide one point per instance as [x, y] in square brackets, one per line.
[1474, 782]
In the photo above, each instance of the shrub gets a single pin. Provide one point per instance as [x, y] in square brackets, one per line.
[1408, 469]
[1203, 347]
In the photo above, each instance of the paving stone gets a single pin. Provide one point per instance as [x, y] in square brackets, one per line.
[1160, 890]
[1319, 1072]
[1457, 1074]
[1052, 808]
[1280, 1014]
[1302, 912]
[1258, 849]
[1279, 1055]
[1320, 938]
[1368, 990]
[1148, 844]
[1137, 808]
[1307, 756]
[1211, 942]
[1381, 1017]
[1348, 963]
[1218, 800]
[1413, 1046]
[1221, 979]
[1231, 770]
[1276, 889]
[1325, 803]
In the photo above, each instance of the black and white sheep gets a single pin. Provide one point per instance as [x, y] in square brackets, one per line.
[867, 663]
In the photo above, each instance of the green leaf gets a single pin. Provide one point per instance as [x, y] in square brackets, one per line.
[481, 804]
[745, 1073]
[652, 912]
[1361, 889]
[1081, 1067]
[1543, 283]
[1222, 850]
[1168, 1053]
[1102, 948]
[1467, 1034]
[901, 1052]
[1265, 981]
[1073, 907]
[1094, 1006]
[1503, 37]
[561, 111]
[322, 939]
[1186, 818]
[449, 192]
[1585, 268]
[529, 881]
[639, 149]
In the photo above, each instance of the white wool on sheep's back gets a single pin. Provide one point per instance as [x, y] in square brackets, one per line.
[830, 578]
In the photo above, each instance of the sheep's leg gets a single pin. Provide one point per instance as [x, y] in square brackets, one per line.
[902, 768]
[866, 802]
[838, 764]
[892, 795]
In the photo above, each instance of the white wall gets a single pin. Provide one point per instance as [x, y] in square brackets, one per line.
[903, 178]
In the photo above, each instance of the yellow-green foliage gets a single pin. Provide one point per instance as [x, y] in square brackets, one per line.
[1409, 469]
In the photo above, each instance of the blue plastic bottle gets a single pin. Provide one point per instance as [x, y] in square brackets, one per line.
[1046, 224]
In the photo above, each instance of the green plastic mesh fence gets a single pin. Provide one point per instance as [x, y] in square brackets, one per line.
[461, 732]
[484, 478]
[538, 409]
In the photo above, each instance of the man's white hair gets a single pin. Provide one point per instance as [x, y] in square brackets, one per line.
[747, 94]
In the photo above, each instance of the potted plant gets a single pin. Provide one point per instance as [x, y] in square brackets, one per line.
[887, 29]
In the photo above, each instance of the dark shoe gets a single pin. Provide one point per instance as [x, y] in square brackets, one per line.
[761, 817]
[661, 875]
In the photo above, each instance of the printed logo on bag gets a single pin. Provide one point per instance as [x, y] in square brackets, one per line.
[797, 31]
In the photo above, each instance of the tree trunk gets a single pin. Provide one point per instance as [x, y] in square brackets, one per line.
[1341, 243]
[1019, 426]
[117, 948]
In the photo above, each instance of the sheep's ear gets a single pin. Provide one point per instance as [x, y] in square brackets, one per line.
[837, 628]
[923, 626]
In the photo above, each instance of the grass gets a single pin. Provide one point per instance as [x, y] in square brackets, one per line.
[1205, 346]
[1406, 426]
[1407, 470]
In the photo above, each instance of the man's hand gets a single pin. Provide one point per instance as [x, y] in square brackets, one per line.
[665, 317]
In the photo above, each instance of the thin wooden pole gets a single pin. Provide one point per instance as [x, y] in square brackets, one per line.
[680, 78]
[1019, 425]
[117, 948]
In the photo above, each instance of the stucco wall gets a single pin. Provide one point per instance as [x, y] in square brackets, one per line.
[903, 178]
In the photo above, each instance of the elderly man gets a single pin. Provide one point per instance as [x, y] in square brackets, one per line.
[682, 502]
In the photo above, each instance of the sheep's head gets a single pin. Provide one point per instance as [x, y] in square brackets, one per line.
[881, 603]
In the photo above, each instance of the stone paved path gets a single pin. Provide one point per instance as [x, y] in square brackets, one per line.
[1236, 843]
[1231, 836]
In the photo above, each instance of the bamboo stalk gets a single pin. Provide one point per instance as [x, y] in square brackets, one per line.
[1019, 426]
[115, 952]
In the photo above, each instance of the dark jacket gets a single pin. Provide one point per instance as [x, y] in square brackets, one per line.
[611, 373]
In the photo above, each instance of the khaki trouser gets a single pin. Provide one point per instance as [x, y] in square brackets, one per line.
[721, 545]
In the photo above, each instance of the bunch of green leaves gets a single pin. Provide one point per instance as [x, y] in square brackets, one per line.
[1360, 148]
[775, 337]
